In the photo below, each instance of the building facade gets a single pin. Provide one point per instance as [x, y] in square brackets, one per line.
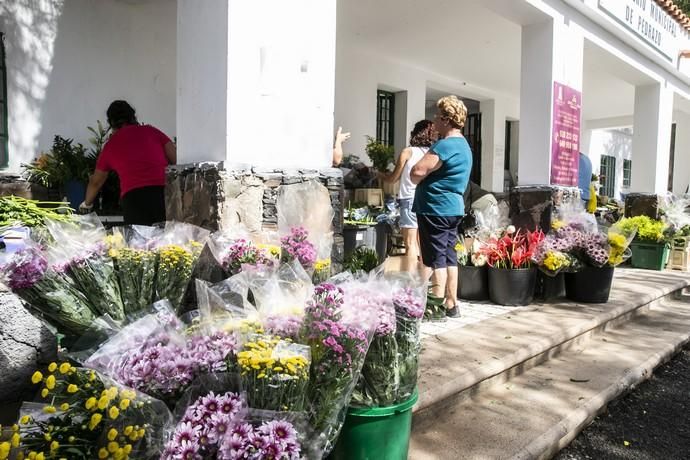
[266, 82]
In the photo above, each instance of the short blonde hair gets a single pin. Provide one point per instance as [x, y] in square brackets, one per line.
[452, 109]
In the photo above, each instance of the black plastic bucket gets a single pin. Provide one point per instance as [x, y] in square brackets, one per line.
[512, 287]
[550, 287]
[473, 282]
[590, 285]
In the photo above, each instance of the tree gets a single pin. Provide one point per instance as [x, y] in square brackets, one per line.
[683, 5]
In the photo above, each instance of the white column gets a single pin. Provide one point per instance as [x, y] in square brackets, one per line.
[551, 51]
[202, 63]
[681, 167]
[256, 82]
[651, 143]
[493, 144]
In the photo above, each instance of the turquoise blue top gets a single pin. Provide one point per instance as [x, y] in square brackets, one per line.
[440, 193]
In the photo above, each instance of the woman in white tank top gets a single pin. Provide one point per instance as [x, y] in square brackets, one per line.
[423, 135]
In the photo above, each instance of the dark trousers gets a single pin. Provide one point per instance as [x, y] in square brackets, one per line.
[144, 206]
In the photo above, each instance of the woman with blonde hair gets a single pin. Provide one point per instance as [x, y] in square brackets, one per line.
[422, 136]
[442, 176]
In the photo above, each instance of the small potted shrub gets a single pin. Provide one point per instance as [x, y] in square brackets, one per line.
[650, 248]
[512, 275]
[473, 277]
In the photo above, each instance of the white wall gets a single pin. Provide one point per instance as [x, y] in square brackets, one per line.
[616, 143]
[681, 169]
[67, 60]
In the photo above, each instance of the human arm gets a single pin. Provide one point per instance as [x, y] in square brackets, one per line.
[429, 163]
[96, 182]
[399, 166]
[340, 137]
[170, 153]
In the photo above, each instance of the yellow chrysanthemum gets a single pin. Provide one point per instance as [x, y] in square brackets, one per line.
[37, 377]
[54, 446]
[72, 388]
[112, 434]
[65, 368]
[45, 392]
[124, 404]
[49, 409]
[64, 406]
[14, 441]
[50, 382]
[103, 402]
[4, 450]
[95, 420]
[90, 403]
[103, 453]
[114, 412]
[52, 367]
[25, 419]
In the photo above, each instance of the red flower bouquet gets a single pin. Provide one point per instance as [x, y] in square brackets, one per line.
[513, 250]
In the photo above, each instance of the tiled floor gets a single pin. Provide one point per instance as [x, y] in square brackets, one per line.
[470, 313]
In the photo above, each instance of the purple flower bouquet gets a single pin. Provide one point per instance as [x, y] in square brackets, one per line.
[338, 349]
[49, 293]
[243, 252]
[296, 246]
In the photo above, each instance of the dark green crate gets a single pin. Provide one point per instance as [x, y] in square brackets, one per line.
[652, 256]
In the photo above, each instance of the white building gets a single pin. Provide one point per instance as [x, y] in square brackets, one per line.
[265, 82]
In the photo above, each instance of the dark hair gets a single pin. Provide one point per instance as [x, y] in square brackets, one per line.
[120, 113]
[423, 134]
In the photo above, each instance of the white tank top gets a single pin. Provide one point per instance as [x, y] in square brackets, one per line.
[407, 188]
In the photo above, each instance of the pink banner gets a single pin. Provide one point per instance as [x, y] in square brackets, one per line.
[565, 143]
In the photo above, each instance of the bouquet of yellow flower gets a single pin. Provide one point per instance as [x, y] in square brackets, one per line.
[136, 264]
[84, 415]
[178, 249]
[274, 373]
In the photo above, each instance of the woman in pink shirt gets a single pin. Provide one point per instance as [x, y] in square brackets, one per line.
[139, 155]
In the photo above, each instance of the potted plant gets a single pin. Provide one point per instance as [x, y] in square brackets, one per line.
[512, 275]
[473, 278]
[651, 246]
[586, 256]
[382, 157]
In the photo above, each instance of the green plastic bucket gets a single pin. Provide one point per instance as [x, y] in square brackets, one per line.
[380, 433]
[652, 256]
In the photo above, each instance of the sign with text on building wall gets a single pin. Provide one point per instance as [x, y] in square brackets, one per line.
[565, 137]
[647, 20]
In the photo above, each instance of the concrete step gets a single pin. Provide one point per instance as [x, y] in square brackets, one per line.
[462, 367]
[539, 411]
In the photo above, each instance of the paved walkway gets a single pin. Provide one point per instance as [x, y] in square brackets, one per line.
[471, 313]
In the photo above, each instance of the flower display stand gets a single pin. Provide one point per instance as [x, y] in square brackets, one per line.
[381, 433]
[512, 286]
[473, 282]
[589, 285]
[651, 256]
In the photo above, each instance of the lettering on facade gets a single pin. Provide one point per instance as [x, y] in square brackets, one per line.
[648, 21]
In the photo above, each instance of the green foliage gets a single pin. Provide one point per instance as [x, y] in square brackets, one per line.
[649, 230]
[31, 213]
[381, 155]
[683, 5]
[362, 258]
[435, 309]
[66, 161]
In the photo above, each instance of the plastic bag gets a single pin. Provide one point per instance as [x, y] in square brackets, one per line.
[619, 239]
[83, 251]
[280, 298]
[136, 264]
[179, 248]
[492, 221]
[305, 218]
[370, 298]
[120, 421]
[51, 295]
[338, 349]
[274, 373]
[205, 414]
[409, 300]
[224, 307]
[233, 253]
[269, 434]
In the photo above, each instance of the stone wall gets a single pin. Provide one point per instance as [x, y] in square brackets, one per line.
[215, 196]
[25, 344]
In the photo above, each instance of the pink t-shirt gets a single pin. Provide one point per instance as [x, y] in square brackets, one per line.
[136, 153]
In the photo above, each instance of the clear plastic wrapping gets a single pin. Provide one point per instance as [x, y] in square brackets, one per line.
[179, 248]
[136, 264]
[84, 414]
[50, 294]
[338, 348]
[83, 251]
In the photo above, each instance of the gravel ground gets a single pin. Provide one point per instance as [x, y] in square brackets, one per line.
[650, 423]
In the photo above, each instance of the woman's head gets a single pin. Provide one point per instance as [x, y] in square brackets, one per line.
[120, 114]
[423, 134]
[451, 114]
